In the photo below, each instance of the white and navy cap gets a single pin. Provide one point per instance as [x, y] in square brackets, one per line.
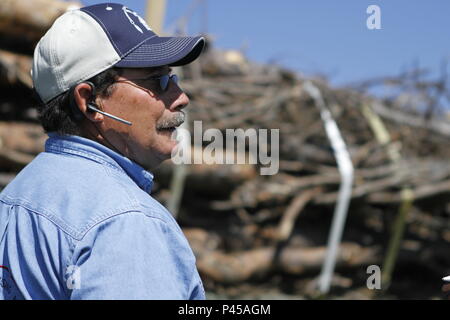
[82, 43]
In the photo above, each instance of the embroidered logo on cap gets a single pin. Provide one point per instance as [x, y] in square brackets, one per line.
[127, 13]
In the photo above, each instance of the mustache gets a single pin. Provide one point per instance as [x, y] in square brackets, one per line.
[175, 121]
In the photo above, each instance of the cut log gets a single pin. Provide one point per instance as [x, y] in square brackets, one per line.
[19, 144]
[211, 180]
[15, 68]
[241, 266]
[30, 19]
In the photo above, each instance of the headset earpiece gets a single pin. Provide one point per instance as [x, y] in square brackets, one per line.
[91, 106]
[76, 113]
[94, 92]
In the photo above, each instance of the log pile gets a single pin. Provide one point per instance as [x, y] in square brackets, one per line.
[271, 212]
[23, 23]
[244, 226]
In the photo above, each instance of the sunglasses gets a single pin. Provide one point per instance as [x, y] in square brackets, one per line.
[163, 80]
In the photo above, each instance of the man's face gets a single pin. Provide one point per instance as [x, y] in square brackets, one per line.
[154, 114]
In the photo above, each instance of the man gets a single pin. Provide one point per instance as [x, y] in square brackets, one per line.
[78, 222]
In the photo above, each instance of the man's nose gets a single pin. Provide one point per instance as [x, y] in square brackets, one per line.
[178, 99]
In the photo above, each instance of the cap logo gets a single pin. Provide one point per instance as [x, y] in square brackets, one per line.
[141, 21]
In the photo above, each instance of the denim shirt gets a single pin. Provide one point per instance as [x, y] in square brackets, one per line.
[78, 223]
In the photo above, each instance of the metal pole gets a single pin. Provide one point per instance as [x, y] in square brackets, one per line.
[155, 12]
[177, 183]
[384, 138]
[345, 167]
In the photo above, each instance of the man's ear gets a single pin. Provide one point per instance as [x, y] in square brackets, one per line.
[82, 95]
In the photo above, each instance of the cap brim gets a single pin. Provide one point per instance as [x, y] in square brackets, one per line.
[161, 51]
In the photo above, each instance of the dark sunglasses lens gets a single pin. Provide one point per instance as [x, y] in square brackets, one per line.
[174, 78]
[164, 82]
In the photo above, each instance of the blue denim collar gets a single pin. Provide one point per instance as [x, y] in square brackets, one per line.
[89, 149]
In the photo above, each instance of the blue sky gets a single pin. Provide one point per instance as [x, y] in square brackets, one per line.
[324, 36]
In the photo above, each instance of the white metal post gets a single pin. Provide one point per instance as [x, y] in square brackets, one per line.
[345, 168]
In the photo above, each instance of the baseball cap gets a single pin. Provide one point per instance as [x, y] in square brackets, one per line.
[84, 42]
